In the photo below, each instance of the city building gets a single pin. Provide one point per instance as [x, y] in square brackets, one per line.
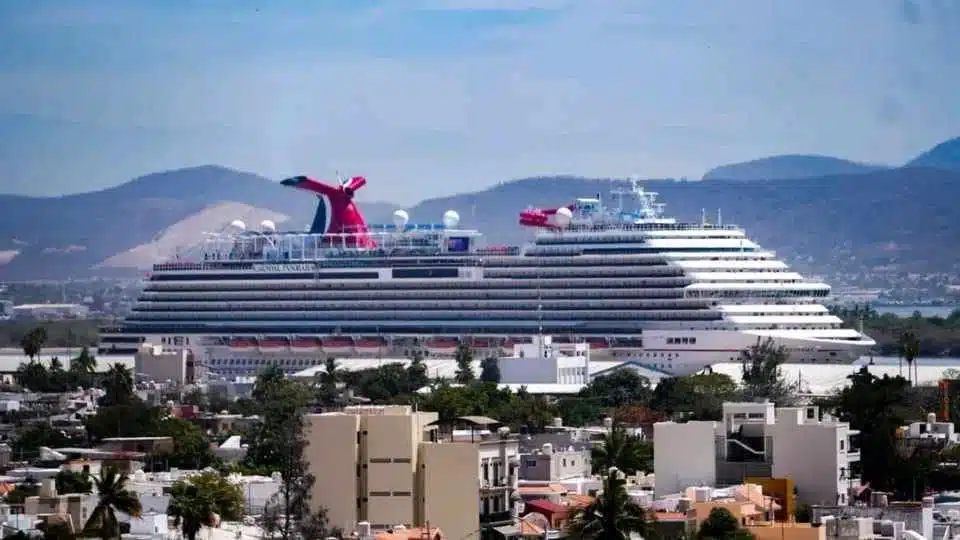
[563, 367]
[166, 364]
[552, 464]
[930, 434]
[757, 440]
[50, 311]
[392, 465]
[48, 503]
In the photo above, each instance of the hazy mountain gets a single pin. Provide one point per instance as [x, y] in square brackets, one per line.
[945, 155]
[59, 237]
[789, 167]
[904, 217]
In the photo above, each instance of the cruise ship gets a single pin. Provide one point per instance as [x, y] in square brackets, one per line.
[634, 284]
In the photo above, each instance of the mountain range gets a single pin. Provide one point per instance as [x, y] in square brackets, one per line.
[832, 214]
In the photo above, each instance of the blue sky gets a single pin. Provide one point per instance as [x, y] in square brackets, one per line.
[432, 97]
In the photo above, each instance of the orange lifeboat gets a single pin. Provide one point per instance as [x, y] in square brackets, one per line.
[598, 343]
[305, 344]
[371, 345]
[243, 343]
[338, 345]
[442, 346]
[274, 343]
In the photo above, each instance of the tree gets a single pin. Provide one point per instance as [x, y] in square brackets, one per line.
[198, 500]
[417, 372]
[721, 524]
[490, 370]
[762, 376]
[877, 407]
[28, 442]
[612, 515]
[699, 397]
[73, 482]
[626, 452]
[118, 386]
[33, 341]
[621, 387]
[82, 368]
[464, 357]
[279, 443]
[909, 351]
[113, 497]
[191, 449]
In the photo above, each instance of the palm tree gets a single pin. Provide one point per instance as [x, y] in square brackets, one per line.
[33, 341]
[619, 449]
[909, 350]
[111, 488]
[83, 367]
[118, 384]
[192, 508]
[612, 515]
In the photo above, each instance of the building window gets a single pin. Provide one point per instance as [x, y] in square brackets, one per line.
[531, 463]
[841, 445]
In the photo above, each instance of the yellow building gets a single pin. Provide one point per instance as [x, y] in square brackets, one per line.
[388, 466]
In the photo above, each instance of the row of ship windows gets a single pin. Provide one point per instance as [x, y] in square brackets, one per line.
[418, 315]
[443, 294]
[681, 341]
[633, 240]
[249, 283]
[416, 304]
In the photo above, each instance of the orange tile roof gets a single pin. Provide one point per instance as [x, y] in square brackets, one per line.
[669, 516]
[412, 533]
[548, 489]
[529, 529]
[575, 500]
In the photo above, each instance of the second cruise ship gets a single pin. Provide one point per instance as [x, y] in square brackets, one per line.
[636, 285]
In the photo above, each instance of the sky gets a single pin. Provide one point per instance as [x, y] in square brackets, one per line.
[435, 97]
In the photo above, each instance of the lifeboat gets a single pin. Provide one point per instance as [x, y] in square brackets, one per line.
[565, 340]
[627, 343]
[274, 343]
[442, 346]
[598, 343]
[338, 345]
[305, 344]
[371, 345]
[482, 344]
[507, 345]
[243, 343]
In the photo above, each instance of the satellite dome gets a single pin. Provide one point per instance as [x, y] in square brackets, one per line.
[450, 219]
[401, 218]
[238, 224]
[268, 226]
[563, 216]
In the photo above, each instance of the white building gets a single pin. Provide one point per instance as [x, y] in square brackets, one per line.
[162, 364]
[929, 433]
[563, 366]
[757, 440]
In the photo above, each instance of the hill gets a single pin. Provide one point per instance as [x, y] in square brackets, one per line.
[789, 167]
[906, 217]
[945, 155]
[70, 236]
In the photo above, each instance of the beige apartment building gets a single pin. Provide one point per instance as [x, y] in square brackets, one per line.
[391, 465]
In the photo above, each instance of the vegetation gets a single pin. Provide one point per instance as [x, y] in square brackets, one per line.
[37, 377]
[113, 496]
[73, 482]
[937, 336]
[721, 524]
[66, 333]
[612, 515]
[623, 451]
[200, 500]
[279, 445]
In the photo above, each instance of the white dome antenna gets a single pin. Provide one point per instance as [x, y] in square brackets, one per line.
[238, 225]
[268, 226]
[400, 219]
[450, 219]
[563, 217]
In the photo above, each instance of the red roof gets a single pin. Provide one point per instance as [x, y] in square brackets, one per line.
[545, 507]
